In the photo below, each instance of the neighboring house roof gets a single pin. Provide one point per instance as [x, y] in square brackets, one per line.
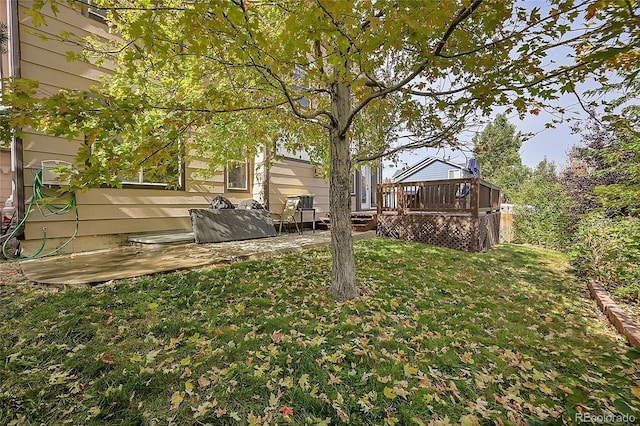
[425, 162]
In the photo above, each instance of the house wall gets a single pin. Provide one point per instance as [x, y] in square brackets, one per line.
[288, 177]
[108, 215]
[435, 171]
[5, 175]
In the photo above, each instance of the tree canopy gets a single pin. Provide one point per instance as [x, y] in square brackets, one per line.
[236, 76]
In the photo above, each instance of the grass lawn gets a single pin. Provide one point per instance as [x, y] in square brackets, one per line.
[440, 336]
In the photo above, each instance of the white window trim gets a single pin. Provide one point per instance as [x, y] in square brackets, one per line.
[457, 174]
[94, 12]
[140, 180]
[300, 154]
[246, 180]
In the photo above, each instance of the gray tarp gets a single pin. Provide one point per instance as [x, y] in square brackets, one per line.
[214, 226]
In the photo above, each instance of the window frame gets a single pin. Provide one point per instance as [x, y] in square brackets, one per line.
[94, 12]
[301, 154]
[227, 181]
[457, 172]
[140, 183]
[355, 176]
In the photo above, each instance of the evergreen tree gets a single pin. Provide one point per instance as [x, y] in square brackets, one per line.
[497, 149]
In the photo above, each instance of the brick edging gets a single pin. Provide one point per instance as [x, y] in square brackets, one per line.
[625, 325]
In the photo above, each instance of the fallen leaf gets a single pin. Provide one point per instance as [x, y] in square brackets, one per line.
[176, 399]
[303, 382]
[342, 416]
[410, 371]
[108, 359]
[334, 380]
[203, 382]
[286, 411]
[389, 393]
[188, 387]
[385, 379]
[201, 410]
[546, 389]
[469, 420]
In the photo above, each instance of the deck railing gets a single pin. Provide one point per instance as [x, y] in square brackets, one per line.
[469, 196]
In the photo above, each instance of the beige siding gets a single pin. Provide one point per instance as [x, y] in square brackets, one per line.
[107, 215]
[291, 177]
[5, 175]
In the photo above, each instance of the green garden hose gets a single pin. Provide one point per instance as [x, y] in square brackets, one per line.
[47, 205]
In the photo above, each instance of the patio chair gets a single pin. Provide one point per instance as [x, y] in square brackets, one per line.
[288, 214]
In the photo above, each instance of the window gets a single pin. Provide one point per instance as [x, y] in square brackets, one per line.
[150, 177]
[352, 183]
[237, 176]
[297, 154]
[162, 170]
[95, 12]
[455, 174]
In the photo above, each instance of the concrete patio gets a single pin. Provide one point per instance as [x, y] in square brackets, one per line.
[143, 259]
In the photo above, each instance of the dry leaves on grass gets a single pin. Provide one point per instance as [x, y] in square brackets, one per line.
[10, 272]
[442, 338]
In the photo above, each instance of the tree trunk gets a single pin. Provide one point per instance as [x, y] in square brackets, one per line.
[343, 280]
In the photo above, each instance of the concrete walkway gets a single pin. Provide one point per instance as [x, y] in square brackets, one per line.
[137, 260]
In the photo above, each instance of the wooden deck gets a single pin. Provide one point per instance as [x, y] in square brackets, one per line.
[462, 214]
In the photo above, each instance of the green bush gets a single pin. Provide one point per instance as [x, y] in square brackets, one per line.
[608, 249]
[540, 217]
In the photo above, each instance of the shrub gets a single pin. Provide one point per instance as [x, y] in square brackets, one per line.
[608, 249]
[540, 217]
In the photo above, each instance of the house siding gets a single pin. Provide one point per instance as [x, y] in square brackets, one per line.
[5, 175]
[108, 215]
[436, 170]
[294, 177]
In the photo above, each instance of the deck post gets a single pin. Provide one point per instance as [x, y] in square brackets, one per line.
[400, 199]
[475, 200]
[379, 199]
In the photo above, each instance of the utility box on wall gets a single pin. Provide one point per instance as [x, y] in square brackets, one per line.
[50, 175]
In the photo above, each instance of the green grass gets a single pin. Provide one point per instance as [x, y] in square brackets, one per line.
[437, 335]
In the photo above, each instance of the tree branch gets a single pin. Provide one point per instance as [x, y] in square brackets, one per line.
[462, 15]
[510, 36]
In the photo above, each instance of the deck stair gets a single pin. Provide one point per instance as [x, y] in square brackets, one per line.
[162, 238]
[363, 221]
[360, 222]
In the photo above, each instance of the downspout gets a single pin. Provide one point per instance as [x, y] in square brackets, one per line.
[266, 177]
[358, 187]
[17, 158]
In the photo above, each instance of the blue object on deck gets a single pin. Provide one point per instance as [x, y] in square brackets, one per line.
[474, 167]
[465, 189]
[474, 170]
